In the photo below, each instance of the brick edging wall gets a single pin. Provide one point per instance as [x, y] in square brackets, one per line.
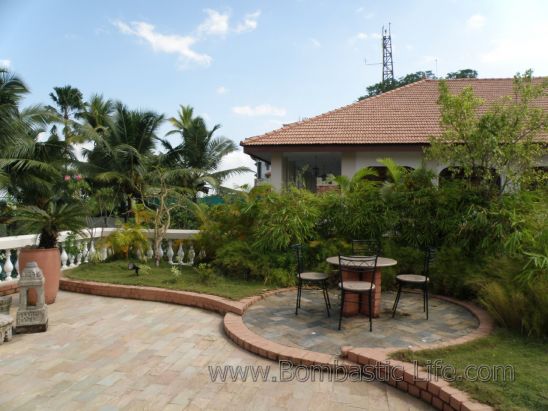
[206, 301]
[10, 288]
[415, 382]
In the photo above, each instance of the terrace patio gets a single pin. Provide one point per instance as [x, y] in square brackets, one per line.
[109, 354]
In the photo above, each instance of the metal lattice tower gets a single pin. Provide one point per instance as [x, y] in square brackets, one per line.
[387, 62]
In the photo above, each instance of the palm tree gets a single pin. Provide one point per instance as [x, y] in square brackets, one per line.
[199, 151]
[28, 167]
[16, 123]
[69, 102]
[120, 156]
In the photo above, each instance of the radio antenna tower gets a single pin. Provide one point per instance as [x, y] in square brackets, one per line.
[387, 61]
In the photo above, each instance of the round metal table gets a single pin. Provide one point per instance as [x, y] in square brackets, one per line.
[351, 300]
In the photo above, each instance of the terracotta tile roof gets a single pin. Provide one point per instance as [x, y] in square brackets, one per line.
[406, 115]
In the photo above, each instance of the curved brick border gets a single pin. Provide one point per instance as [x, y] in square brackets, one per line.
[8, 288]
[205, 301]
[401, 375]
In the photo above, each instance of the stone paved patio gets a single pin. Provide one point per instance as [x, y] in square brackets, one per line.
[107, 354]
[274, 318]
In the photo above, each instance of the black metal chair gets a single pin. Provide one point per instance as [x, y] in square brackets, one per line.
[361, 265]
[311, 277]
[416, 281]
[366, 247]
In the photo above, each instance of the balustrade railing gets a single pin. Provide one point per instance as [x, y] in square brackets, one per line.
[85, 248]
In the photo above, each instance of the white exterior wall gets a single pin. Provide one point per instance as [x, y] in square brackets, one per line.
[276, 171]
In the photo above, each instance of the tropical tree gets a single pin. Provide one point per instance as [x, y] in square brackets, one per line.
[29, 166]
[199, 151]
[501, 140]
[121, 155]
[68, 103]
[464, 73]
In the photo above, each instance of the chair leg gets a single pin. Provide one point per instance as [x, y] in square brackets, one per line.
[424, 299]
[370, 310]
[297, 304]
[327, 294]
[341, 310]
[396, 301]
[324, 290]
[426, 295]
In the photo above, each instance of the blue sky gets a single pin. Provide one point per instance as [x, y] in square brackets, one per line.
[254, 65]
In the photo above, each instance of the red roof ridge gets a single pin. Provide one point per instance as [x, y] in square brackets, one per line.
[296, 123]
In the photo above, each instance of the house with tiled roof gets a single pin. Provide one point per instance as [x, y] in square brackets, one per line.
[396, 124]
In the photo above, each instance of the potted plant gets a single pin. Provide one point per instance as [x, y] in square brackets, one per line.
[48, 222]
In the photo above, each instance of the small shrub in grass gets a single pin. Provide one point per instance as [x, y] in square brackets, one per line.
[206, 274]
[176, 272]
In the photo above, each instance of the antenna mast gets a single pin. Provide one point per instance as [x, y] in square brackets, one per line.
[387, 62]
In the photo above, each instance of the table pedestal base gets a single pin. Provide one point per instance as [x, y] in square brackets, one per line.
[351, 300]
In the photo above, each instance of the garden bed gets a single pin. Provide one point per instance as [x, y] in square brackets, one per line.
[528, 357]
[117, 272]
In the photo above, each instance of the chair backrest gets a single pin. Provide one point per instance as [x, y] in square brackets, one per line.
[298, 250]
[366, 247]
[429, 257]
[358, 264]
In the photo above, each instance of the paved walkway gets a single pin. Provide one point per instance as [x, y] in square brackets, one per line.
[274, 318]
[107, 353]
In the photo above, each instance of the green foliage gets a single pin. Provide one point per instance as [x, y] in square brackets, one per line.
[464, 73]
[383, 87]
[502, 139]
[51, 220]
[127, 238]
[284, 219]
[206, 274]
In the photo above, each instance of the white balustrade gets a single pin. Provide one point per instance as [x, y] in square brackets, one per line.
[8, 265]
[86, 244]
[150, 253]
[170, 252]
[180, 253]
[191, 255]
[64, 258]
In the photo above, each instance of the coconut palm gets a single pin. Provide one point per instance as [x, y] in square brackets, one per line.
[29, 166]
[68, 103]
[120, 156]
[199, 150]
[15, 123]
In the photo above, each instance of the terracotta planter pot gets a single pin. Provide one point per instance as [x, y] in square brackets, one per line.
[49, 261]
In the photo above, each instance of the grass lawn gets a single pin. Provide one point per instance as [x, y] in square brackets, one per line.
[529, 390]
[117, 272]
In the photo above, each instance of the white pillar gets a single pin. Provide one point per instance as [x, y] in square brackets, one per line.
[277, 171]
[348, 164]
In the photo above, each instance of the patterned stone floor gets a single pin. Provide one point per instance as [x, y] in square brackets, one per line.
[107, 354]
[274, 318]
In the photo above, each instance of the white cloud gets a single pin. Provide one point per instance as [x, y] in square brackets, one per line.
[5, 63]
[358, 37]
[216, 23]
[238, 159]
[222, 90]
[249, 23]
[475, 22]
[315, 42]
[260, 110]
[376, 36]
[171, 44]
[520, 52]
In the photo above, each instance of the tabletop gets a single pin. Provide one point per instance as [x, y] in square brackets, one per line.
[381, 261]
